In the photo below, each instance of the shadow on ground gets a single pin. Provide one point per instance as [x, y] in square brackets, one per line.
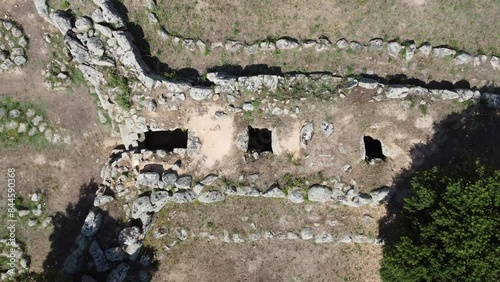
[472, 134]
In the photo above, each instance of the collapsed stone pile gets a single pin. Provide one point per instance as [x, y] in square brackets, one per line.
[13, 44]
[18, 121]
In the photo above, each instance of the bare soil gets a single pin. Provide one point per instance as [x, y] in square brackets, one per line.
[266, 260]
[59, 171]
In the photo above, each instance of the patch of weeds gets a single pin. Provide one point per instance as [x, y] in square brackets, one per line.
[236, 28]
[19, 129]
[315, 28]
[207, 51]
[349, 71]
[256, 103]
[248, 117]
[423, 109]
[288, 181]
[120, 83]
[291, 159]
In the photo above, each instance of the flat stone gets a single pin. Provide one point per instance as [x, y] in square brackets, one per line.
[319, 193]
[211, 197]
[287, 44]
[323, 237]
[148, 179]
[394, 49]
[306, 233]
[184, 182]
[184, 196]
[274, 192]
[296, 195]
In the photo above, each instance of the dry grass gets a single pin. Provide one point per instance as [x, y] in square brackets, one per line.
[468, 26]
[266, 260]
[465, 24]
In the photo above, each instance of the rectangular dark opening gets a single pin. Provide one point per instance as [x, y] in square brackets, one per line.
[373, 149]
[259, 140]
[166, 140]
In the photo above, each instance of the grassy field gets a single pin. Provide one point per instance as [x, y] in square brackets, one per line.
[467, 25]
[463, 24]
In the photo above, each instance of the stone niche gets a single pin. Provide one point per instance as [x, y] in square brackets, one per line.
[167, 140]
[260, 140]
[372, 150]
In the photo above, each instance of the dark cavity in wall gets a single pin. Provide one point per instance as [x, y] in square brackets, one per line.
[373, 149]
[259, 140]
[165, 140]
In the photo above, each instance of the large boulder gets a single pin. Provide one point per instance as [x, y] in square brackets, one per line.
[148, 179]
[463, 58]
[110, 14]
[92, 224]
[248, 191]
[286, 44]
[83, 24]
[141, 206]
[100, 262]
[42, 9]
[62, 21]
[397, 91]
[74, 262]
[495, 62]
[115, 254]
[184, 196]
[129, 239]
[319, 193]
[296, 195]
[168, 179]
[441, 52]
[79, 52]
[380, 194]
[242, 140]
[119, 273]
[184, 182]
[201, 93]
[394, 49]
[92, 75]
[159, 199]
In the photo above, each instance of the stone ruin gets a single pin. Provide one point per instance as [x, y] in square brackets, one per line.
[135, 176]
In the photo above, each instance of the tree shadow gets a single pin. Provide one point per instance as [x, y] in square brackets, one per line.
[67, 225]
[67, 228]
[472, 134]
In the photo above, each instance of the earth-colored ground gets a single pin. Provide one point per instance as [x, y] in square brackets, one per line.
[469, 25]
[466, 24]
[60, 171]
[266, 260]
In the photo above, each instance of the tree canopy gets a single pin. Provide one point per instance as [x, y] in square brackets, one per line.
[449, 227]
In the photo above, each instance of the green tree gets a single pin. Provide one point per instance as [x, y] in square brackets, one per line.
[449, 227]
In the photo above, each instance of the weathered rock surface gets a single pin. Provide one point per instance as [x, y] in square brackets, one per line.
[319, 193]
[129, 239]
[100, 262]
[211, 197]
[92, 224]
[306, 134]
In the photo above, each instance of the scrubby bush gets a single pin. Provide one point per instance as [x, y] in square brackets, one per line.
[449, 228]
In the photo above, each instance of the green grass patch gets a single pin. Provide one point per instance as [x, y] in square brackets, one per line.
[121, 84]
[11, 136]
